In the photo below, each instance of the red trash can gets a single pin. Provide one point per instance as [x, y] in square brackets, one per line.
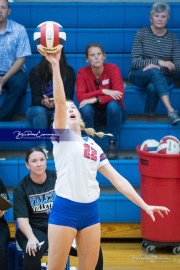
[160, 185]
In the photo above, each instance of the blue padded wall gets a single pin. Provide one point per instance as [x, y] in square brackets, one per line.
[175, 11]
[117, 208]
[111, 38]
[64, 13]
[79, 14]
[104, 14]
[126, 211]
[136, 14]
[9, 171]
[107, 206]
[19, 169]
[6, 128]
[128, 168]
[21, 13]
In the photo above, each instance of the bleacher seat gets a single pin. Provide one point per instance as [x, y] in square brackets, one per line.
[135, 101]
[137, 88]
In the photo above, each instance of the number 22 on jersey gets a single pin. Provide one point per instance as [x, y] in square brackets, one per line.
[90, 152]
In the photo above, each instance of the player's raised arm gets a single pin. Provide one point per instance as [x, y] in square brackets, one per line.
[59, 94]
[58, 90]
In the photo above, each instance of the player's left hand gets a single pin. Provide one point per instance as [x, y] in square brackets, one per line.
[159, 209]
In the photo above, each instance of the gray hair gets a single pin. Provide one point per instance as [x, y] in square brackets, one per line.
[159, 7]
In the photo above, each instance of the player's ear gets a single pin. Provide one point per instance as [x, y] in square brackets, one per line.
[27, 165]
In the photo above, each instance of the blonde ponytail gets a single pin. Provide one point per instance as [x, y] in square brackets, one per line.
[92, 132]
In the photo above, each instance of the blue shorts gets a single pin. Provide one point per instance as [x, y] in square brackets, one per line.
[74, 214]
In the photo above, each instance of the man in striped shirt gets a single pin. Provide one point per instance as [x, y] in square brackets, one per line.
[155, 61]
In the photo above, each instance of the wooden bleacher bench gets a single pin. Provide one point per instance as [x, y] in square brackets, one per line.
[108, 230]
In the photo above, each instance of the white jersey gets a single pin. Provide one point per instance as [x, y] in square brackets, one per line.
[77, 160]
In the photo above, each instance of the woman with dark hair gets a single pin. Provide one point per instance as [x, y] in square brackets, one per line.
[4, 231]
[41, 111]
[33, 199]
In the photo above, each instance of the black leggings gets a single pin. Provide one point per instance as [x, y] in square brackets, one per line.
[28, 261]
[4, 240]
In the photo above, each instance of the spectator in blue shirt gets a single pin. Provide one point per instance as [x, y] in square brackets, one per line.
[14, 44]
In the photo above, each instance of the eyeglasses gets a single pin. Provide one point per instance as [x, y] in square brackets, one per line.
[97, 83]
